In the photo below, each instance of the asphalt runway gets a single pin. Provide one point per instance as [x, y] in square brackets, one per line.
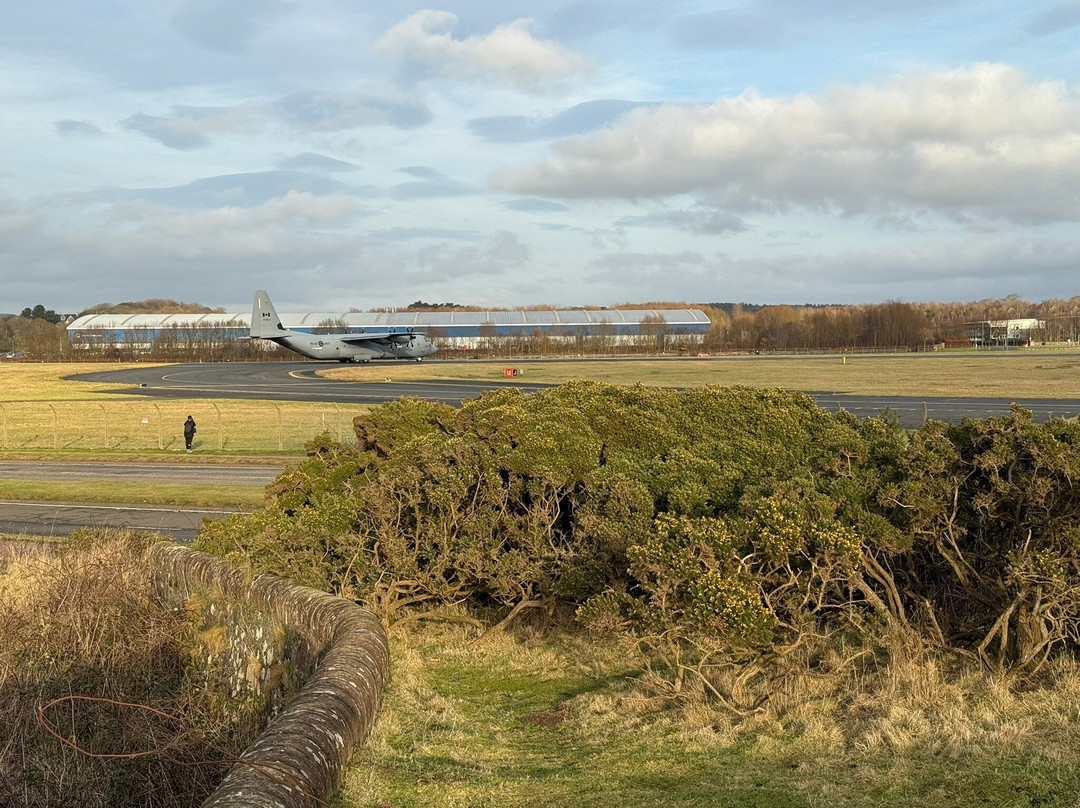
[285, 381]
[60, 518]
[296, 381]
[180, 522]
[185, 473]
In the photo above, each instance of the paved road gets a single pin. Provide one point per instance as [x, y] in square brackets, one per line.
[296, 381]
[190, 474]
[284, 381]
[60, 518]
[181, 522]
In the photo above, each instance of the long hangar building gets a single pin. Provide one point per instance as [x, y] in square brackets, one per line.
[461, 329]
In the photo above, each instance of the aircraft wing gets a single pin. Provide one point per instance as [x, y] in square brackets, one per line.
[381, 337]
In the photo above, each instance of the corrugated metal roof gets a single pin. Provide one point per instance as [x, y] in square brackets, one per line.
[416, 319]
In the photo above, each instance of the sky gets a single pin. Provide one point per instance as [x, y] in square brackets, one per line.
[352, 154]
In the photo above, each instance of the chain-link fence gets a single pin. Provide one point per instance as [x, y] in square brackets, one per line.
[228, 425]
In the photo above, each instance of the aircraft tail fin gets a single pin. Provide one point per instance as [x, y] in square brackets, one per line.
[265, 322]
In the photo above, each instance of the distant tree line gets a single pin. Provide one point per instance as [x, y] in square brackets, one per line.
[420, 305]
[39, 312]
[734, 327]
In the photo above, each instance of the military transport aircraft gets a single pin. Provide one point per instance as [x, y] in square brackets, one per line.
[371, 344]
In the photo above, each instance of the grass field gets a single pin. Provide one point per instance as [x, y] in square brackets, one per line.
[990, 375]
[40, 411]
[558, 722]
[208, 496]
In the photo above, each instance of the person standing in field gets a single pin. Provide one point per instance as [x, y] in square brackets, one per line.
[189, 431]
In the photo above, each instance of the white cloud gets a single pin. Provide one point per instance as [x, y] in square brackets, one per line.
[131, 233]
[510, 52]
[979, 141]
[189, 127]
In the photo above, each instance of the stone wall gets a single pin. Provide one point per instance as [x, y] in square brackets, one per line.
[298, 760]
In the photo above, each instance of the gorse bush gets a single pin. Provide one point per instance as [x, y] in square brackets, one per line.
[719, 526]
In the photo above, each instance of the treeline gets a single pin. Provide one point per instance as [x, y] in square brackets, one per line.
[153, 305]
[720, 528]
[885, 325]
[734, 327]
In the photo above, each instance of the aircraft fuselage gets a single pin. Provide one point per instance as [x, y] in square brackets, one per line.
[327, 347]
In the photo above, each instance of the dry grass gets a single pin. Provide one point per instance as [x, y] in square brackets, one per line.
[143, 426]
[44, 382]
[203, 495]
[40, 411]
[992, 375]
[79, 622]
[543, 720]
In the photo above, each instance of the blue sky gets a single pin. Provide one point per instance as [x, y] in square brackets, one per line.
[345, 154]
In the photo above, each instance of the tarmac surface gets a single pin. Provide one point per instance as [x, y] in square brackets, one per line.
[61, 518]
[180, 522]
[185, 473]
[296, 381]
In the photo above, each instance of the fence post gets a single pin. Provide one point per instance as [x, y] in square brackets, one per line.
[55, 428]
[160, 445]
[220, 437]
[280, 436]
[337, 420]
[3, 411]
[105, 413]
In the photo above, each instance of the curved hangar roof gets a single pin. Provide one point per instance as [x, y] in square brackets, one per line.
[452, 323]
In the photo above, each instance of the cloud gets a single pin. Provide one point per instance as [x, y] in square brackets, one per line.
[422, 172]
[335, 111]
[698, 220]
[16, 221]
[536, 206]
[413, 233]
[932, 270]
[624, 268]
[772, 24]
[189, 128]
[584, 117]
[436, 263]
[981, 141]
[317, 162]
[430, 184]
[1061, 17]
[228, 233]
[69, 128]
[245, 190]
[424, 45]
[936, 270]
[137, 248]
[226, 26]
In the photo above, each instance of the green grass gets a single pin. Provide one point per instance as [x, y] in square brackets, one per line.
[558, 722]
[40, 411]
[202, 495]
[990, 375]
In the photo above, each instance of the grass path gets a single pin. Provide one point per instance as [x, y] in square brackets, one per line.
[557, 724]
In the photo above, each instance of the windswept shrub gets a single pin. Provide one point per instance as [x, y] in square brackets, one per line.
[551, 499]
[994, 508]
[718, 526]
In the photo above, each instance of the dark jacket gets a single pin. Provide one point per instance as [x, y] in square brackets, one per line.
[189, 427]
